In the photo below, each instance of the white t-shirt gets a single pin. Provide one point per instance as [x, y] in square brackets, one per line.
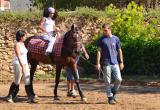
[23, 55]
[49, 25]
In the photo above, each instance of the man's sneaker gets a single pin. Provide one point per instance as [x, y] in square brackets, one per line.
[114, 95]
[111, 100]
[115, 98]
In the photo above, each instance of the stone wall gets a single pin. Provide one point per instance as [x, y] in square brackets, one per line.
[7, 39]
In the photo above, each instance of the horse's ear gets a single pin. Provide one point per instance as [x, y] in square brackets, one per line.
[74, 27]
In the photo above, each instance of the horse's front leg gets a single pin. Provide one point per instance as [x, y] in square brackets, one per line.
[76, 77]
[57, 78]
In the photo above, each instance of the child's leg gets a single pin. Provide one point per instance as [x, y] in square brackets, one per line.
[50, 44]
[51, 40]
[72, 84]
[68, 85]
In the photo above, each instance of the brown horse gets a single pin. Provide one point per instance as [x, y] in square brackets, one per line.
[70, 49]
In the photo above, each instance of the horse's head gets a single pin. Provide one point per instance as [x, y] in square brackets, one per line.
[72, 41]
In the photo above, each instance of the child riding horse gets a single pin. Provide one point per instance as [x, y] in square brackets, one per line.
[70, 49]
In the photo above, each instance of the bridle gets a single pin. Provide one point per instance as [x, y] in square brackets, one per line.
[74, 44]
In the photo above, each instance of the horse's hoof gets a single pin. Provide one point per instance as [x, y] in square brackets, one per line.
[84, 99]
[56, 98]
[32, 100]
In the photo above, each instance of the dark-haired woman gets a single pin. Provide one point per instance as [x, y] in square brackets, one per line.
[21, 68]
[48, 27]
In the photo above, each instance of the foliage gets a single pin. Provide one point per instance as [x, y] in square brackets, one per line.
[112, 11]
[129, 24]
[19, 16]
[140, 39]
[101, 4]
[153, 18]
[83, 13]
[142, 57]
[73, 4]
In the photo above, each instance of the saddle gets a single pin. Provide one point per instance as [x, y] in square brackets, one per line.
[38, 45]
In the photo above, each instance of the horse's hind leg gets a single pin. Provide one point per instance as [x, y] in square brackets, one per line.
[58, 72]
[33, 64]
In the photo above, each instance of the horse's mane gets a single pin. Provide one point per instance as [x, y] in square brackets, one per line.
[65, 51]
[65, 37]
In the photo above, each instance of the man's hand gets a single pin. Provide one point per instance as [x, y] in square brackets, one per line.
[98, 66]
[121, 66]
[87, 56]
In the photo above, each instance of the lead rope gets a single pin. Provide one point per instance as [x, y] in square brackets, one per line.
[99, 72]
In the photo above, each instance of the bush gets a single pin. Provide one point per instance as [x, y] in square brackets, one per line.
[142, 57]
[140, 39]
[19, 16]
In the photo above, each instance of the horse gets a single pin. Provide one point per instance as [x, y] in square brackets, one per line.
[70, 49]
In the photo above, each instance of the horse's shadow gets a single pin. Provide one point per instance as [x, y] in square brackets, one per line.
[50, 100]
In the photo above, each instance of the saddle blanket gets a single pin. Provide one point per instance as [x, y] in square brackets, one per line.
[39, 45]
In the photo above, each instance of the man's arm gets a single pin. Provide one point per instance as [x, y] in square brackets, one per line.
[120, 57]
[98, 58]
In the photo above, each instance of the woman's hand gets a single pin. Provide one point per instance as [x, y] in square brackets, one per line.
[58, 31]
[23, 69]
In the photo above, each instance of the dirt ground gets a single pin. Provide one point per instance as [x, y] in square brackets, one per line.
[132, 96]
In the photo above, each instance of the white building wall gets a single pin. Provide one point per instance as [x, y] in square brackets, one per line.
[20, 5]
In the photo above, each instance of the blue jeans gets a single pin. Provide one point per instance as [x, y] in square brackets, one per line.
[108, 71]
[69, 71]
[70, 75]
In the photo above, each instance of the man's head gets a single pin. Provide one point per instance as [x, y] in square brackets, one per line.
[106, 30]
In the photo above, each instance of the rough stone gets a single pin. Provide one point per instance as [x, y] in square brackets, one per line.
[7, 38]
